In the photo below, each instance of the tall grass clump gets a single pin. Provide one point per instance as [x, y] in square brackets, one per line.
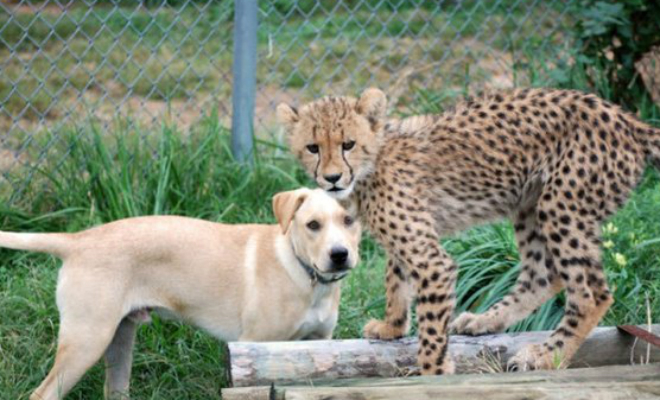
[95, 177]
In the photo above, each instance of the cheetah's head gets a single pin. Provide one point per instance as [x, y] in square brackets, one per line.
[336, 139]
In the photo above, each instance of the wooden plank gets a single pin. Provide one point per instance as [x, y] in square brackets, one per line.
[252, 393]
[600, 391]
[253, 364]
[612, 373]
[612, 382]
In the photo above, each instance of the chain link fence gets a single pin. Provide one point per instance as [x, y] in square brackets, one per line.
[403, 47]
[64, 63]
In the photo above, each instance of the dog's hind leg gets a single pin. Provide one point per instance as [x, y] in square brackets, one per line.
[119, 360]
[89, 317]
[81, 344]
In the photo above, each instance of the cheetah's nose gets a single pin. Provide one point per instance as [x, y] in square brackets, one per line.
[334, 178]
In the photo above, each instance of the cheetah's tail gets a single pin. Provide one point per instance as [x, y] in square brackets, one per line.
[654, 146]
[649, 137]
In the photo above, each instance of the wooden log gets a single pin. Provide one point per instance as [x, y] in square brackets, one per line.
[612, 382]
[253, 364]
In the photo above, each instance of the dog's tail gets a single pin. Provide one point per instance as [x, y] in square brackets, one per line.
[52, 243]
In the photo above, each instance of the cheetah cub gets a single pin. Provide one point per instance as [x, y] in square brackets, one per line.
[556, 162]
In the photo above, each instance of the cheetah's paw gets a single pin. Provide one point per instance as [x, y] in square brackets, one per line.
[535, 356]
[428, 367]
[475, 324]
[376, 329]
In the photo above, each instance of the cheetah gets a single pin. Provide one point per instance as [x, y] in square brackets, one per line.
[555, 162]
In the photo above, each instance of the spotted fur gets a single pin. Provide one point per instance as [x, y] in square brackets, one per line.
[555, 162]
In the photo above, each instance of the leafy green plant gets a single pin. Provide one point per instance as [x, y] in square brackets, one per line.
[613, 35]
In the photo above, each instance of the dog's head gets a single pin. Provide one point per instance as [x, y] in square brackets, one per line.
[323, 234]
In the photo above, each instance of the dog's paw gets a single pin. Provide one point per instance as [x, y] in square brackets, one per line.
[535, 356]
[475, 324]
[376, 329]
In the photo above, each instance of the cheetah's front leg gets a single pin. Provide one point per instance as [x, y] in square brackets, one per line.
[433, 275]
[397, 312]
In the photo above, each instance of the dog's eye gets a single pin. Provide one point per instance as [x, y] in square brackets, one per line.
[348, 220]
[348, 145]
[313, 148]
[313, 225]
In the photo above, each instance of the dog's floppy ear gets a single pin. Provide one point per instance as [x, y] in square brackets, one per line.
[285, 205]
[287, 115]
[373, 105]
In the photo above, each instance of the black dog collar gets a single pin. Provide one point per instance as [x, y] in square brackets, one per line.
[315, 276]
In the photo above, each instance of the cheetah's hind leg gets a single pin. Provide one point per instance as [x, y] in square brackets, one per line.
[536, 284]
[572, 231]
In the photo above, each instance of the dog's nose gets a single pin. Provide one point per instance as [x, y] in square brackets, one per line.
[334, 178]
[339, 255]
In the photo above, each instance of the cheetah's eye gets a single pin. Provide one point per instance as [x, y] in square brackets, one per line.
[313, 148]
[348, 145]
[348, 220]
[313, 225]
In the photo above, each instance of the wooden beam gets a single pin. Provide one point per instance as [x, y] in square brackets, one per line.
[565, 391]
[253, 364]
[612, 382]
[612, 373]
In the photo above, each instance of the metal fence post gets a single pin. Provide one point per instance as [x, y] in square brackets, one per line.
[245, 77]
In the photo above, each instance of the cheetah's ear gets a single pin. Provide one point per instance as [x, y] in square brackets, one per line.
[287, 115]
[285, 205]
[373, 105]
